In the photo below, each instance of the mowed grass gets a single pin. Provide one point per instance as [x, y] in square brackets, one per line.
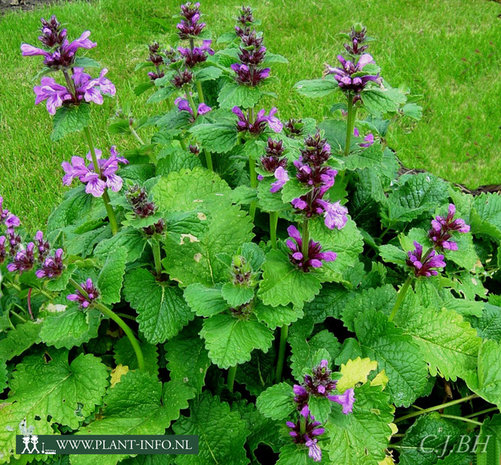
[448, 52]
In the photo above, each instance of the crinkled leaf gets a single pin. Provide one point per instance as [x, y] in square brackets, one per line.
[233, 94]
[205, 301]
[110, 279]
[130, 239]
[230, 340]
[162, 311]
[217, 137]
[277, 402]
[20, 339]
[70, 119]
[277, 316]
[125, 355]
[316, 88]
[236, 295]
[354, 372]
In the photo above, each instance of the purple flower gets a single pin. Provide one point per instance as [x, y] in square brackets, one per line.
[320, 383]
[54, 93]
[249, 76]
[24, 260]
[252, 56]
[305, 432]
[346, 400]
[335, 214]
[281, 177]
[91, 294]
[96, 181]
[314, 257]
[345, 74]
[245, 17]
[193, 57]
[12, 221]
[3, 211]
[42, 245]
[183, 105]
[3, 252]
[423, 266]
[259, 125]
[52, 266]
[189, 27]
[368, 139]
[52, 35]
[443, 228]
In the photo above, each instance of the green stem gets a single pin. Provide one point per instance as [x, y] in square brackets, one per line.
[482, 412]
[436, 407]
[208, 160]
[400, 298]
[253, 183]
[232, 372]
[350, 124]
[183, 144]
[284, 332]
[466, 420]
[19, 316]
[192, 103]
[135, 134]
[305, 237]
[273, 229]
[302, 425]
[200, 92]
[111, 314]
[128, 317]
[106, 198]
[155, 247]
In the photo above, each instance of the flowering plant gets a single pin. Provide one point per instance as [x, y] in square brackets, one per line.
[275, 287]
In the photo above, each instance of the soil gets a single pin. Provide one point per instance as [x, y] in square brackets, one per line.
[16, 5]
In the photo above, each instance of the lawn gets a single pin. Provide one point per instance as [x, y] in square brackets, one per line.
[448, 52]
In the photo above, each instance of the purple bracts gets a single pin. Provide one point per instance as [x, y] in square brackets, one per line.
[442, 229]
[343, 74]
[52, 266]
[424, 266]
[197, 55]
[311, 430]
[189, 26]
[90, 290]
[259, 125]
[315, 255]
[24, 260]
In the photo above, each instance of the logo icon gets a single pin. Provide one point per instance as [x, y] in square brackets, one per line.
[30, 440]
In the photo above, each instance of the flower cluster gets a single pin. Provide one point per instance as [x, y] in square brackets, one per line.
[305, 431]
[183, 105]
[358, 37]
[244, 21]
[58, 53]
[274, 158]
[313, 171]
[314, 257]
[85, 298]
[96, 178]
[241, 272]
[143, 208]
[294, 127]
[189, 26]
[442, 229]
[350, 76]
[194, 56]
[11, 222]
[157, 59]
[251, 55]
[424, 265]
[318, 384]
[257, 126]
[52, 266]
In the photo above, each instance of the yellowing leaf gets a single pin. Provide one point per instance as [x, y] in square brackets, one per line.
[380, 380]
[354, 372]
[387, 461]
[117, 373]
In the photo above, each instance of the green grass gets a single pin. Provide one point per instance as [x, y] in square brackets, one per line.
[447, 51]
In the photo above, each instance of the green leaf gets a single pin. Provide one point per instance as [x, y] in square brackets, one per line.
[277, 316]
[236, 295]
[135, 405]
[110, 279]
[221, 433]
[85, 62]
[292, 189]
[378, 101]
[316, 88]
[20, 339]
[335, 133]
[277, 402]
[128, 238]
[217, 137]
[175, 160]
[268, 201]
[233, 94]
[162, 311]
[449, 344]
[486, 215]
[124, 354]
[70, 119]
[61, 282]
[208, 74]
[360, 438]
[230, 339]
[283, 284]
[320, 408]
[369, 158]
[412, 110]
[187, 359]
[396, 353]
[205, 301]
[3, 375]
[487, 381]
[47, 385]
[69, 326]
[294, 454]
[392, 254]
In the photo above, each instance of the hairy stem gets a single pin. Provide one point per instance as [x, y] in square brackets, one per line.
[435, 408]
[400, 298]
[155, 247]
[106, 198]
[284, 332]
[466, 420]
[273, 229]
[135, 134]
[230, 381]
[111, 314]
[253, 183]
[350, 124]
[305, 237]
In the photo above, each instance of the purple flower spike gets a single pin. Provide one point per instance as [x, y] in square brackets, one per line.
[24, 260]
[259, 125]
[42, 245]
[344, 74]
[442, 229]
[3, 252]
[309, 437]
[424, 266]
[315, 256]
[335, 214]
[52, 266]
[346, 400]
[85, 300]
[281, 178]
